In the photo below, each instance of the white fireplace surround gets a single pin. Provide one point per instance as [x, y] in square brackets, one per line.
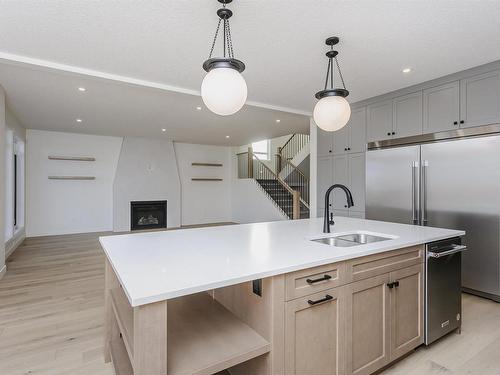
[146, 171]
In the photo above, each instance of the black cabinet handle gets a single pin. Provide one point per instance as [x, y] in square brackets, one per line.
[313, 281]
[393, 284]
[329, 150]
[345, 206]
[393, 133]
[462, 121]
[348, 149]
[327, 298]
[455, 122]
[389, 133]
[345, 149]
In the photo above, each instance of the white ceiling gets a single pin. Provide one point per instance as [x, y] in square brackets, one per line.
[163, 43]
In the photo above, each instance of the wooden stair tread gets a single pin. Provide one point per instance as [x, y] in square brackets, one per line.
[119, 357]
[125, 318]
[204, 337]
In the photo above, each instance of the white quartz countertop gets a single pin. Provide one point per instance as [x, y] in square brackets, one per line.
[157, 266]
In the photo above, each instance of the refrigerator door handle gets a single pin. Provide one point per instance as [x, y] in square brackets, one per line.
[414, 193]
[425, 165]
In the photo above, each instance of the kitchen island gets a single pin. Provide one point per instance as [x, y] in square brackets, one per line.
[265, 298]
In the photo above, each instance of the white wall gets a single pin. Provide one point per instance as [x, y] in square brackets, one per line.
[2, 181]
[204, 201]
[62, 207]
[251, 205]
[147, 170]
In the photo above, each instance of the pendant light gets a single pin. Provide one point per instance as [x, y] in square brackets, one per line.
[224, 90]
[332, 111]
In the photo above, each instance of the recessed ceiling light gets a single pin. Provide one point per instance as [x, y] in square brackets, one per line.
[198, 108]
[278, 120]
[406, 70]
[227, 137]
[79, 120]
[82, 89]
[163, 130]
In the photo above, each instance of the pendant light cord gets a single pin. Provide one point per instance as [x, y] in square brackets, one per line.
[227, 41]
[330, 72]
[215, 39]
[340, 72]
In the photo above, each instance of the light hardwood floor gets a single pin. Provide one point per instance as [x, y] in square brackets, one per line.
[51, 318]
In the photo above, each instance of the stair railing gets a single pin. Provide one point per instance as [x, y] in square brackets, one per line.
[250, 166]
[296, 179]
[291, 148]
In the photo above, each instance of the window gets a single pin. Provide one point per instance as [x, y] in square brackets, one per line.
[261, 149]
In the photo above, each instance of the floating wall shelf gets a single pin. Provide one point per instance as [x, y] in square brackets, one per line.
[206, 179]
[72, 158]
[207, 164]
[71, 178]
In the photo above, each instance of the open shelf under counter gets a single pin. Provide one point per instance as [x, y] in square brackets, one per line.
[204, 337]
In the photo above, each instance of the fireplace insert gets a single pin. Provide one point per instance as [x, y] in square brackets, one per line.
[148, 215]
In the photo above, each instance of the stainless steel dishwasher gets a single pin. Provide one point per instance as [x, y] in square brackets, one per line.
[443, 288]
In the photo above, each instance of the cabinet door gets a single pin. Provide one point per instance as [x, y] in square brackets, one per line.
[325, 146]
[441, 107]
[314, 335]
[343, 213]
[407, 112]
[325, 179]
[367, 325]
[379, 121]
[407, 309]
[480, 100]
[340, 176]
[356, 167]
[341, 140]
[357, 130]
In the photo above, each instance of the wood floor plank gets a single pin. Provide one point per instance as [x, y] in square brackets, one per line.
[52, 315]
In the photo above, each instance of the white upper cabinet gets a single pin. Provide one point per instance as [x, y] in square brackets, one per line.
[341, 140]
[350, 139]
[441, 107]
[407, 115]
[480, 100]
[379, 121]
[340, 176]
[325, 140]
[357, 130]
[325, 178]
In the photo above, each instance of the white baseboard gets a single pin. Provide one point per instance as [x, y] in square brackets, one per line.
[12, 244]
[2, 271]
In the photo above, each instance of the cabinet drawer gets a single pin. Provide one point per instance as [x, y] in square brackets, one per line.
[313, 280]
[378, 264]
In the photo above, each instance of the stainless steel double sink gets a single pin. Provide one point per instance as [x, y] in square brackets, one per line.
[351, 239]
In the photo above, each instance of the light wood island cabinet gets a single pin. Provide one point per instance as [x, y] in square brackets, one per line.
[350, 317]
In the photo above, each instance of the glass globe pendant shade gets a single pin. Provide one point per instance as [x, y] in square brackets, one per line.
[332, 113]
[224, 91]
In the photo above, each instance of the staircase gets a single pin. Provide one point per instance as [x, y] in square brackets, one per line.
[280, 194]
[288, 187]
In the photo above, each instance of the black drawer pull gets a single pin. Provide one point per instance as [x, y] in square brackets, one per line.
[313, 281]
[327, 298]
[393, 284]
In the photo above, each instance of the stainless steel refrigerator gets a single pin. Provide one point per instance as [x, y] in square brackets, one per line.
[450, 184]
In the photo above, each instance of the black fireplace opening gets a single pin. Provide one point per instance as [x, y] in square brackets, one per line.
[148, 215]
